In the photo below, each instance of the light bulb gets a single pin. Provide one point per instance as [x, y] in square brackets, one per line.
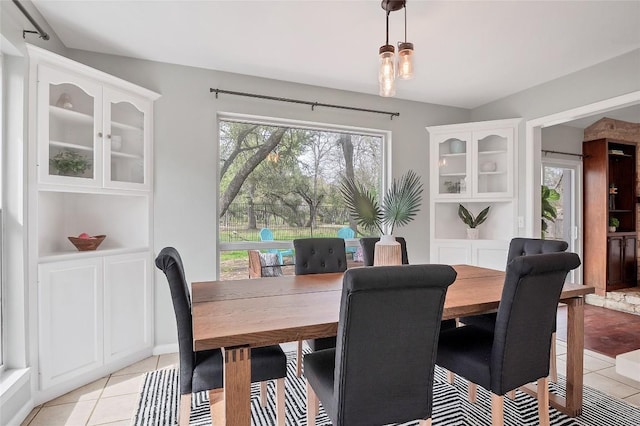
[405, 61]
[387, 74]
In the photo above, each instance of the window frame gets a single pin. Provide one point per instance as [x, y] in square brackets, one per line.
[385, 136]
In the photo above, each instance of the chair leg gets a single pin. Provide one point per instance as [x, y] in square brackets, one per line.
[426, 422]
[450, 377]
[263, 394]
[553, 367]
[472, 392]
[299, 360]
[185, 409]
[543, 401]
[312, 406]
[216, 405]
[511, 395]
[497, 410]
[280, 396]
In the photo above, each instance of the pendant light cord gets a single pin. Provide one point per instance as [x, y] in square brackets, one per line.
[387, 42]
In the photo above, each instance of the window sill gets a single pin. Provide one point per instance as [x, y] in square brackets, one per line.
[11, 381]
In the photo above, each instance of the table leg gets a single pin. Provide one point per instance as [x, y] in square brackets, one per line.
[237, 385]
[571, 405]
[575, 355]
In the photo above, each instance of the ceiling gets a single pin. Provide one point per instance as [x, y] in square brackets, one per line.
[468, 53]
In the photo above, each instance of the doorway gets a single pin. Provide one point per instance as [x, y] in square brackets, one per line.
[565, 178]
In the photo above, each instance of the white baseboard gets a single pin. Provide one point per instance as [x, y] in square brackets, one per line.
[165, 349]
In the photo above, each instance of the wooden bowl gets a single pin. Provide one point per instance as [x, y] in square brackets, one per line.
[87, 244]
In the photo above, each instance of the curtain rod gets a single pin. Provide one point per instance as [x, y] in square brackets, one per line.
[546, 151]
[297, 101]
[41, 33]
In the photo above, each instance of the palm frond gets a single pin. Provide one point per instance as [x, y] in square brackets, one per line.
[361, 204]
[402, 201]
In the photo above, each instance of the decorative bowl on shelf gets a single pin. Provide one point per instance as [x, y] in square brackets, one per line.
[87, 244]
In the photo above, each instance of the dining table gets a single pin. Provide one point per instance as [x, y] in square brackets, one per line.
[240, 314]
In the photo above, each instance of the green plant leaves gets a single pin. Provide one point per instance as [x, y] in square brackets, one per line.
[399, 206]
[362, 204]
[468, 218]
[548, 209]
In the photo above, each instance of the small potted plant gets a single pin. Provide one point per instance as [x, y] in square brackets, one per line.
[613, 224]
[472, 221]
[398, 206]
[70, 163]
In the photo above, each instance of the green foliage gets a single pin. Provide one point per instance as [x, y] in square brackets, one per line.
[399, 205]
[549, 211]
[613, 221]
[70, 163]
[468, 218]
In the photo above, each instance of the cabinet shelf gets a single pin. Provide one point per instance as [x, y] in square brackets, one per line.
[72, 254]
[460, 154]
[453, 174]
[501, 151]
[492, 173]
[621, 211]
[69, 145]
[80, 117]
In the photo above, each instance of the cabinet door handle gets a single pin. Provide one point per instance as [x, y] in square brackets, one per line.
[109, 136]
[99, 134]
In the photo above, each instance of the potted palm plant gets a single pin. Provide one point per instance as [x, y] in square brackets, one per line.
[472, 221]
[398, 207]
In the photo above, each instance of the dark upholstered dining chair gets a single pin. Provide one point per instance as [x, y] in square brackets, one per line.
[203, 370]
[318, 256]
[516, 351]
[524, 247]
[368, 245]
[381, 370]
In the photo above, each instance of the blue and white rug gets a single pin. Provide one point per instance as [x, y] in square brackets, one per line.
[158, 405]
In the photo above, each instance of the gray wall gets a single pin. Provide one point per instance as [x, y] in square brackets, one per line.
[562, 138]
[615, 77]
[186, 142]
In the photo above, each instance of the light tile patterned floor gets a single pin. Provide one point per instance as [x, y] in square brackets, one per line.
[112, 400]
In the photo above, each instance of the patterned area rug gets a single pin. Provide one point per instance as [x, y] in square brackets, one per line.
[158, 405]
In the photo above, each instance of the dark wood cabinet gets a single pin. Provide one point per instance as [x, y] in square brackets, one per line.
[621, 261]
[610, 261]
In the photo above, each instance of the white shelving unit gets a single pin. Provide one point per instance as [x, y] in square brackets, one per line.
[473, 164]
[94, 308]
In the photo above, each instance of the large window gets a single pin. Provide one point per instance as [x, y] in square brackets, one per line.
[286, 178]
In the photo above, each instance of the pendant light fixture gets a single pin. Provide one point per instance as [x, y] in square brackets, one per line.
[388, 72]
[405, 54]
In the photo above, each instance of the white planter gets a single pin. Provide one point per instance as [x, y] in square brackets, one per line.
[387, 252]
[612, 229]
[472, 233]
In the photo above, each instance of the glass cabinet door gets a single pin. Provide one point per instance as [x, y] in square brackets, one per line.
[125, 144]
[493, 162]
[453, 165]
[70, 111]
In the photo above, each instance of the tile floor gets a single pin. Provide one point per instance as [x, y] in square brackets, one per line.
[112, 400]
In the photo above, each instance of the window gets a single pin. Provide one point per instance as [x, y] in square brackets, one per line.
[285, 178]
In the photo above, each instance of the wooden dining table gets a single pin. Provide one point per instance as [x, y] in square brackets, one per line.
[241, 314]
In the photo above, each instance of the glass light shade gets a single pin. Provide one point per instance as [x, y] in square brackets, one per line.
[405, 61]
[387, 74]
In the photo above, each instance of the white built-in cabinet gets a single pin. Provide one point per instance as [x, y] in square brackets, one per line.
[90, 171]
[473, 164]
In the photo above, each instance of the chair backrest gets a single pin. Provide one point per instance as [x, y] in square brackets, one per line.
[263, 264]
[255, 267]
[528, 246]
[169, 262]
[319, 255]
[368, 245]
[266, 234]
[386, 344]
[526, 318]
[346, 233]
